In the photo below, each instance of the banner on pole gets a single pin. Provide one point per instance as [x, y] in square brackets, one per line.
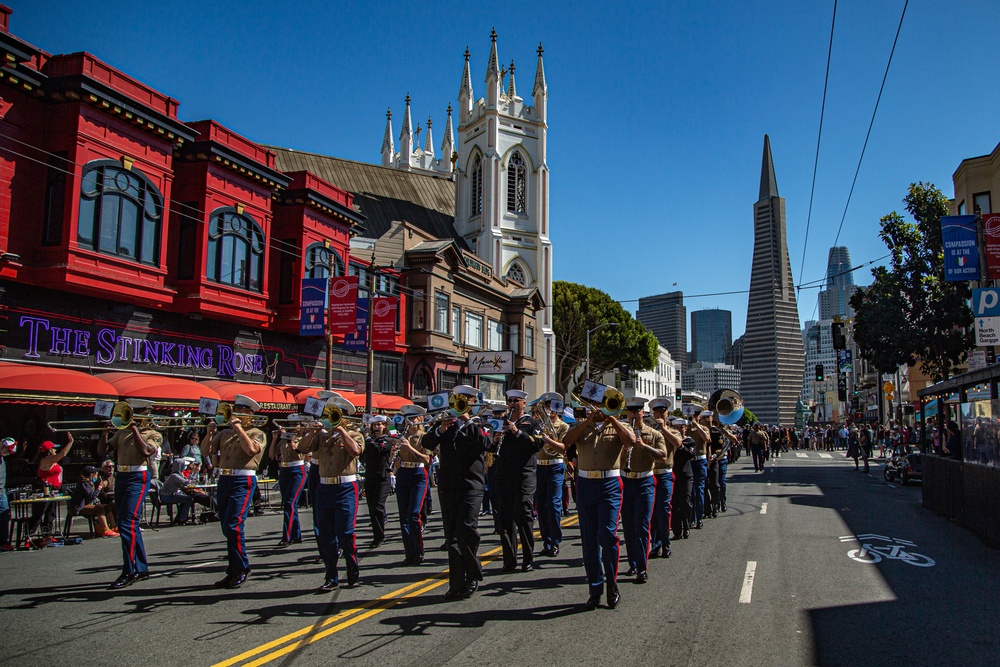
[991, 237]
[311, 322]
[384, 323]
[357, 340]
[343, 304]
[961, 252]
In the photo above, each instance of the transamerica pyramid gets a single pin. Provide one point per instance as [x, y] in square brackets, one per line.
[773, 357]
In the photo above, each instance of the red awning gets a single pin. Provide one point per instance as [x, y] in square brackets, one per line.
[387, 402]
[271, 399]
[166, 391]
[380, 401]
[26, 383]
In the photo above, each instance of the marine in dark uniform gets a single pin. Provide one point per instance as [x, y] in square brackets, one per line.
[240, 448]
[335, 451]
[600, 442]
[132, 448]
[460, 444]
[718, 466]
[378, 452]
[517, 442]
[681, 504]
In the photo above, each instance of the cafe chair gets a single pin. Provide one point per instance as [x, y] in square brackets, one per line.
[69, 525]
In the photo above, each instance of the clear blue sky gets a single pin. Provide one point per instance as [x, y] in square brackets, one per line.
[657, 110]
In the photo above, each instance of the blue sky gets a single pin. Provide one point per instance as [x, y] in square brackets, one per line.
[657, 110]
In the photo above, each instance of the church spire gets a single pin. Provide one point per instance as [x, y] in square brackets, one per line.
[465, 91]
[493, 66]
[448, 145]
[539, 75]
[768, 183]
[406, 138]
[511, 90]
[429, 141]
[387, 146]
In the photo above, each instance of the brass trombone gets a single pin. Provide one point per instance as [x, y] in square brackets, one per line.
[611, 405]
[224, 415]
[122, 416]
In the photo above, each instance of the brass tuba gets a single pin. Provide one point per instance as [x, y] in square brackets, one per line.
[727, 405]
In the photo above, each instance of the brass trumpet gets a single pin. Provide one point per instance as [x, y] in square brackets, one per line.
[224, 414]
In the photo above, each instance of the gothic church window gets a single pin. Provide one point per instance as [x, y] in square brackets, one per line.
[516, 184]
[477, 186]
[120, 212]
[516, 273]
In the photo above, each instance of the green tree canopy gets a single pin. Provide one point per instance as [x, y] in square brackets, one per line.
[576, 309]
[910, 314]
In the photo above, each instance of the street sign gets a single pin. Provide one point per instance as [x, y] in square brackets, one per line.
[888, 386]
[987, 331]
[986, 308]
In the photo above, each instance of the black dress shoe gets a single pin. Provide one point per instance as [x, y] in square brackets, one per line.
[374, 544]
[666, 552]
[238, 580]
[352, 576]
[613, 596]
[545, 552]
[283, 543]
[686, 534]
[224, 582]
[507, 569]
[123, 581]
[700, 524]
[555, 551]
[641, 578]
[471, 588]
[298, 541]
[141, 576]
[453, 594]
[593, 601]
[328, 585]
[527, 567]
[654, 553]
[631, 572]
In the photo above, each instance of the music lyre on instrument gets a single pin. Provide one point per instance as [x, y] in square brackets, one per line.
[225, 415]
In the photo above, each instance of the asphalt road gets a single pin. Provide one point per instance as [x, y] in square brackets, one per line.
[770, 582]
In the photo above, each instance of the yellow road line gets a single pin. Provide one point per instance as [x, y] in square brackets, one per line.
[342, 620]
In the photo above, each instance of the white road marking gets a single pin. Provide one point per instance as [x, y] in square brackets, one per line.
[801, 455]
[747, 590]
[826, 456]
[763, 508]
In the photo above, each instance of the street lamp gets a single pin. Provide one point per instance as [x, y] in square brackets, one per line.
[599, 326]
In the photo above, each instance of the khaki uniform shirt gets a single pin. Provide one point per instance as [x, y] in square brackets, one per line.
[288, 452]
[414, 437]
[641, 460]
[128, 451]
[561, 429]
[599, 448]
[700, 442]
[333, 459]
[231, 454]
[671, 448]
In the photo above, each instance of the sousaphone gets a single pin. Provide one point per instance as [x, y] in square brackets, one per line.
[727, 405]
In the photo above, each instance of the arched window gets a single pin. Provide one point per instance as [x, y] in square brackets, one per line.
[516, 273]
[318, 262]
[477, 186]
[421, 384]
[120, 212]
[516, 184]
[235, 250]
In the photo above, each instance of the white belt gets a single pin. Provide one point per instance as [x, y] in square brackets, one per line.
[657, 471]
[599, 474]
[638, 475]
[338, 480]
[237, 472]
[292, 464]
[131, 468]
[410, 464]
[548, 462]
[703, 457]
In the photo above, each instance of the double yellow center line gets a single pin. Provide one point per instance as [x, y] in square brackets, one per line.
[345, 619]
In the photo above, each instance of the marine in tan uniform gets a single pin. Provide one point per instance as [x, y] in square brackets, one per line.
[550, 474]
[639, 488]
[240, 447]
[291, 479]
[335, 450]
[698, 431]
[412, 483]
[663, 475]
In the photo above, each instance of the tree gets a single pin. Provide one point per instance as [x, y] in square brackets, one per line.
[576, 309]
[910, 314]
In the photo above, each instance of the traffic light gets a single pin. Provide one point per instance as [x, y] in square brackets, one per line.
[819, 373]
[837, 331]
[624, 372]
[678, 395]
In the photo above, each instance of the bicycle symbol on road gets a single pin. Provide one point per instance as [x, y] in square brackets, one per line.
[895, 549]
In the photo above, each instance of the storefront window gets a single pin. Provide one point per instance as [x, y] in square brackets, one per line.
[235, 250]
[120, 212]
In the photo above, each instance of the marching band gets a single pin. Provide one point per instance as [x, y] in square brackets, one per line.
[652, 474]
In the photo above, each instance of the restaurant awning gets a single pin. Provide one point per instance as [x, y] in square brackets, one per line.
[166, 391]
[380, 401]
[271, 399]
[387, 402]
[48, 385]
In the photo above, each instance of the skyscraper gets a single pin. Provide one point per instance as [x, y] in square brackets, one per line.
[773, 358]
[834, 299]
[711, 335]
[666, 316]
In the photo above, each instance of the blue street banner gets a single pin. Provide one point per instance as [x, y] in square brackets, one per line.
[961, 252]
[358, 341]
[311, 321]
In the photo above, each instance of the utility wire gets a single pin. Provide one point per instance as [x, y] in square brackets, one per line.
[872, 123]
[819, 136]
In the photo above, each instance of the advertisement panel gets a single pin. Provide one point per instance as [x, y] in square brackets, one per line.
[961, 252]
[343, 304]
[311, 322]
[384, 323]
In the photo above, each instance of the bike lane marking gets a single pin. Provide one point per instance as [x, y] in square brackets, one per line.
[747, 591]
[826, 456]
[345, 619]
[763, 508]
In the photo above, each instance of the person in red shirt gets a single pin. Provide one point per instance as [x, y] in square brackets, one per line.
[50, 476]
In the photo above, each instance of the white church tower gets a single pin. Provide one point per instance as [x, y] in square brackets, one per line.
[502, 190]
